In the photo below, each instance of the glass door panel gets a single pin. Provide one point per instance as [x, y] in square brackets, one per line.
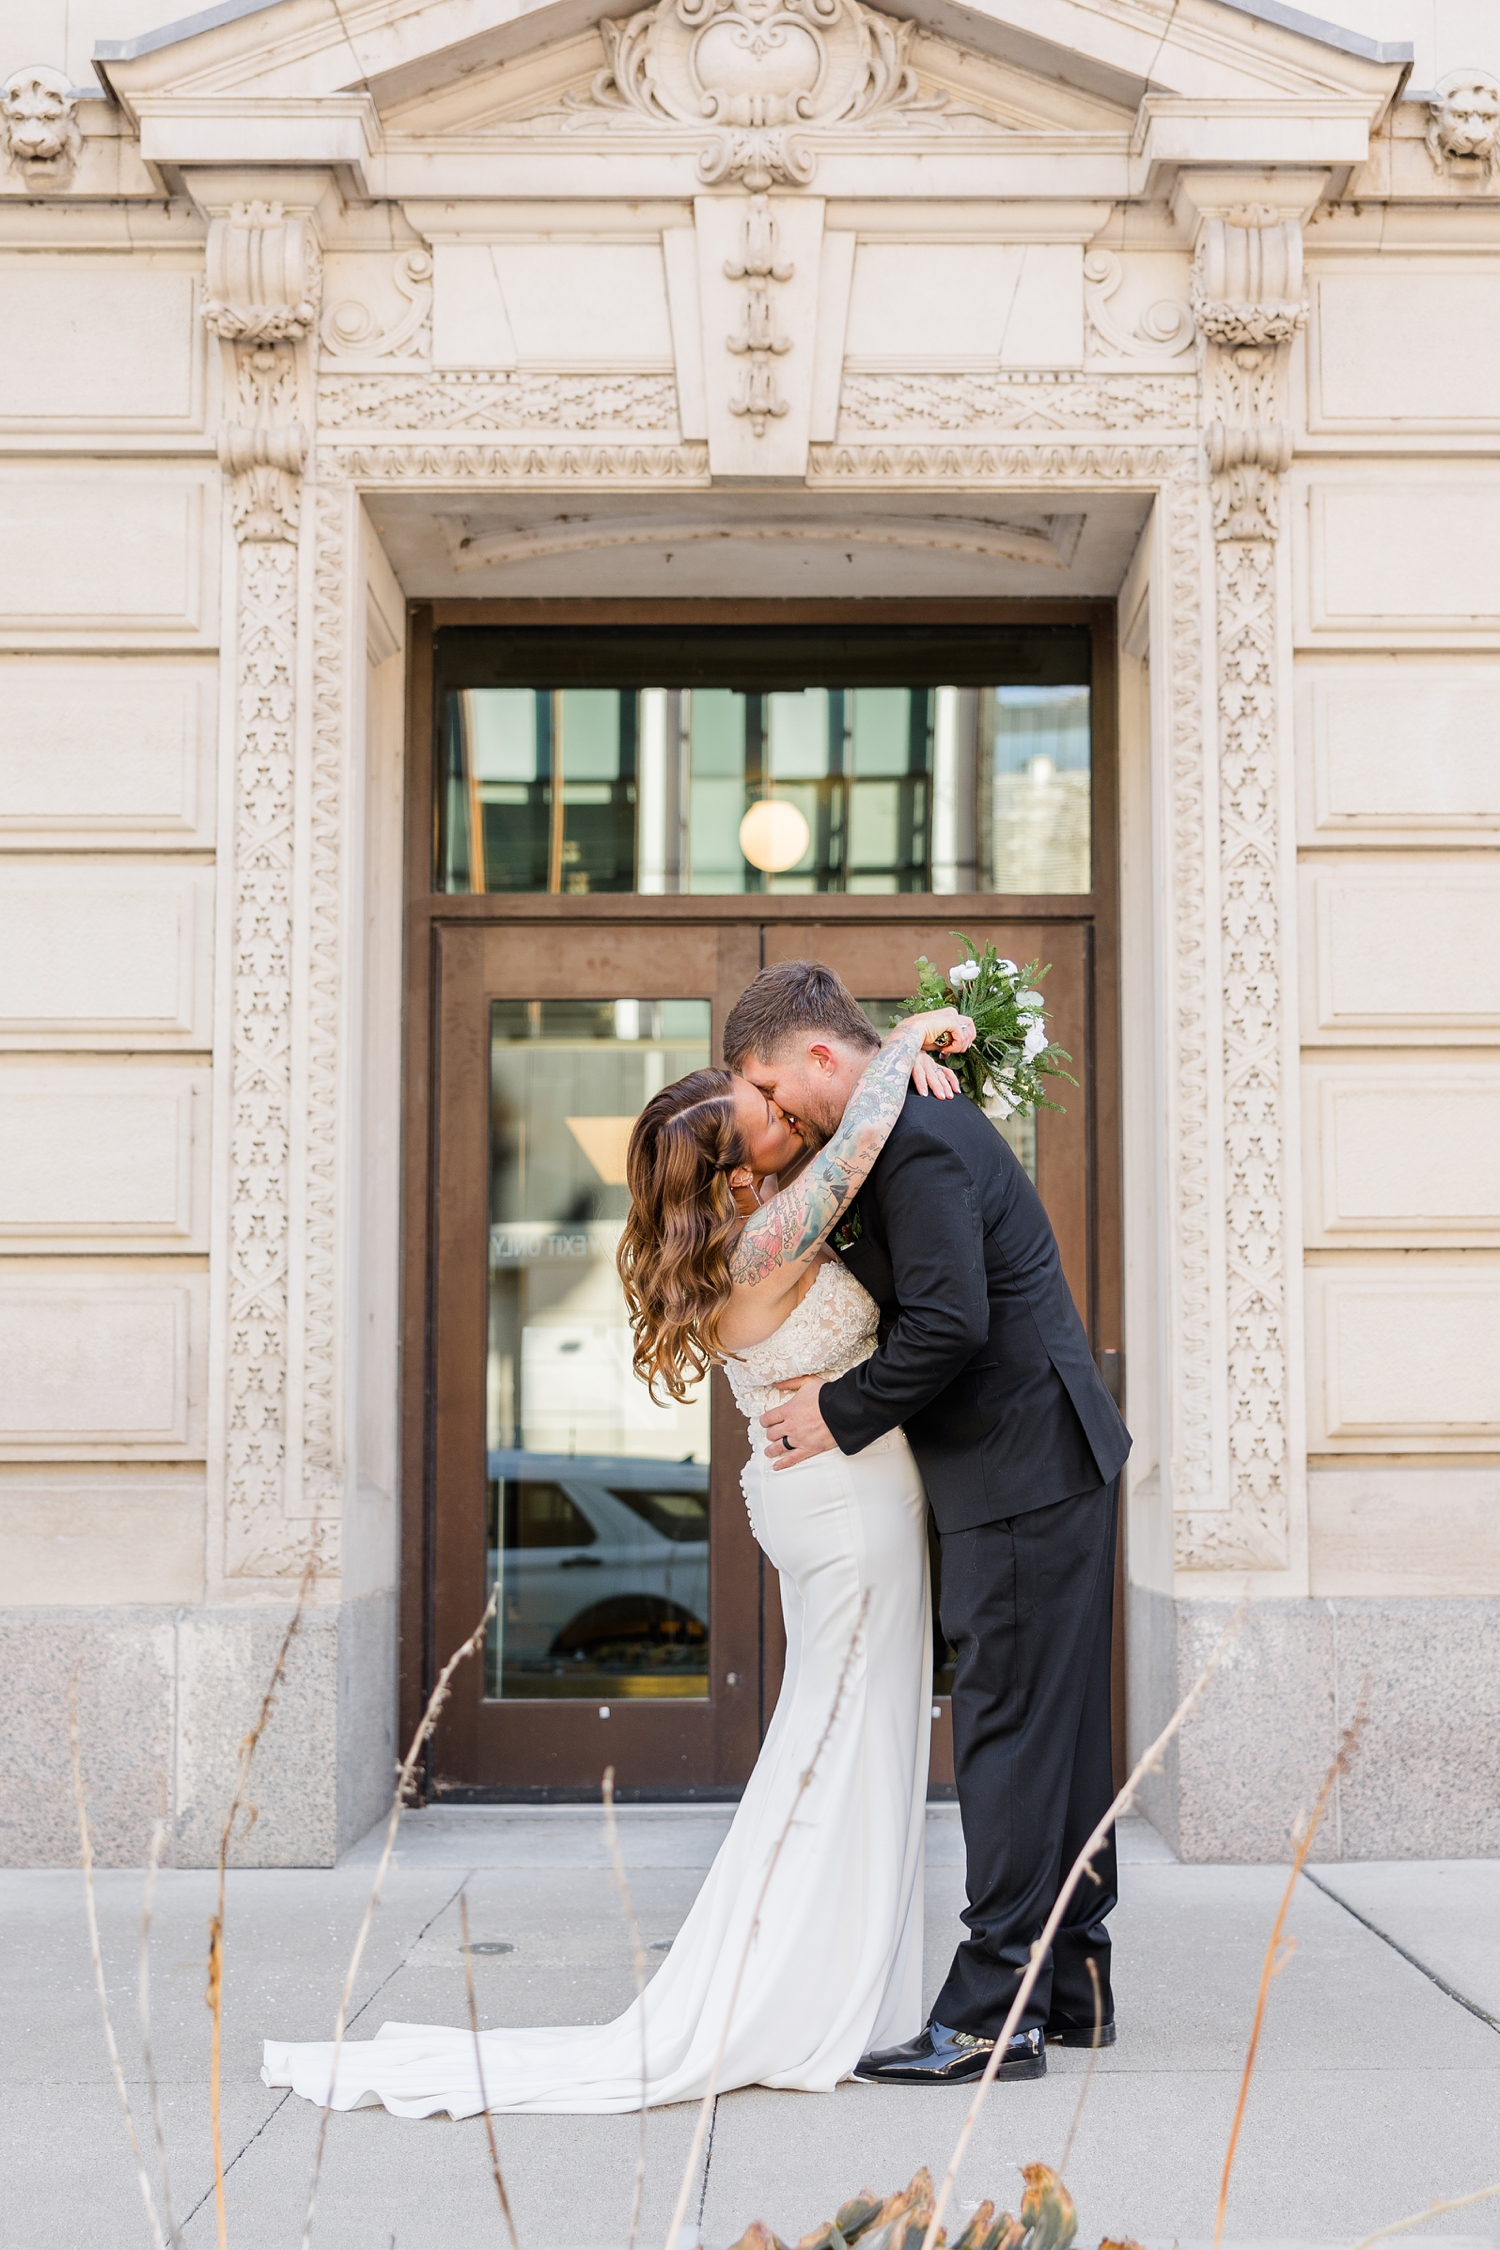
[597, 1500]
[610, 1528]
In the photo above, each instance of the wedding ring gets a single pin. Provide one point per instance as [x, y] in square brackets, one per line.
[786, 1441]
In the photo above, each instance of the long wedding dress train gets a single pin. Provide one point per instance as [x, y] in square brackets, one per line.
[835, 1966]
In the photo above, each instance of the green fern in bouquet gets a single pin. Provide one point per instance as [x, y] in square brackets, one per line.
[1011, 1054]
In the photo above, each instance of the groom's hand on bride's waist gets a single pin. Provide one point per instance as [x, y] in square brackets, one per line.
[799, 1418]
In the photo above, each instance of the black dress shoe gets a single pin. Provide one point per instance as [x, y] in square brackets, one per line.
[940, 2057]
[1062, 2033]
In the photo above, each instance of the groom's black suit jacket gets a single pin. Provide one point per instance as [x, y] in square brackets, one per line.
[982, 1357]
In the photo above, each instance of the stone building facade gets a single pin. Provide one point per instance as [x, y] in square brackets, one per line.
[321, 321]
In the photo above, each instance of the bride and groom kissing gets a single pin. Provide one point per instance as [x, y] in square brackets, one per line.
[830, 1219]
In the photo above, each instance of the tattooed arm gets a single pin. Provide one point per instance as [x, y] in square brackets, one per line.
[787, 1231]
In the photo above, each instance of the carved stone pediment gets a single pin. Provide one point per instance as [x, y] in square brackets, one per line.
[758, 72]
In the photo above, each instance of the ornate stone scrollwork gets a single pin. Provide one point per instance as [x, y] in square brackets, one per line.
[265, 276]
[350, 331]
[39, 121]
[757, 71]
[758, 340]
[1248, 301]
[264, 280]
[1164, 329]
[1463, 125]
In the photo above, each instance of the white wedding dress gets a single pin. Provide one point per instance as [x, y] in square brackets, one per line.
[835, 1966]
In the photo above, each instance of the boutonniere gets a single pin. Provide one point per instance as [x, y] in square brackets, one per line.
[848, 1231]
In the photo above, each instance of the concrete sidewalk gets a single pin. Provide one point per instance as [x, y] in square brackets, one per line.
[1377, 2090]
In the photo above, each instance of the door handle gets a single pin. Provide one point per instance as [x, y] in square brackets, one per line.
[581, 1562]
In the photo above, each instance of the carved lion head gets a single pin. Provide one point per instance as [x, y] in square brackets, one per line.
[1463, 129]
[37, 105]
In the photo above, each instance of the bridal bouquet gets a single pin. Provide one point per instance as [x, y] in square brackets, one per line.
[1011, 1054]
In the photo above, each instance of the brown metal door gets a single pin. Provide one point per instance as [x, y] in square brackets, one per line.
[628, 1627]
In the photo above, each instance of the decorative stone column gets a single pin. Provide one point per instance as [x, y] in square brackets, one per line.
[264, 283]
[1248, 302]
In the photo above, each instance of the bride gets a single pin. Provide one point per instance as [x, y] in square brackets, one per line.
[712, 1272]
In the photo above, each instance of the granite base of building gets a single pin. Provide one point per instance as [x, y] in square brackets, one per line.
[1425, 1782]
[165, 1697]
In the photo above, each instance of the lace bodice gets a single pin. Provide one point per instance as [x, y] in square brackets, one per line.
[832, 1330]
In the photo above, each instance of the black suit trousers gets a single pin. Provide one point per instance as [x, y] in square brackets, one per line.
[1028, 1606]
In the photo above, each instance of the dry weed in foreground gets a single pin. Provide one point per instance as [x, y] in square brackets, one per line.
[237, 1803]
[1433, 2211]
[1279, 1949]
[87, 1848]
[484, 2099]
[1147, 1763]
[804, 1779]
[143, 2007]
[428, 1721]
[1088, 2076]
[638, 1962]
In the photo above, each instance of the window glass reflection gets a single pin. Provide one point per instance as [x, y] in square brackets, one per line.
[596, 787]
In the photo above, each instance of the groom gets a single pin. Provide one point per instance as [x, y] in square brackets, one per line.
[984, 1363]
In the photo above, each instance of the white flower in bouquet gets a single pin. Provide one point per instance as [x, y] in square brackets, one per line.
[1011, 1054]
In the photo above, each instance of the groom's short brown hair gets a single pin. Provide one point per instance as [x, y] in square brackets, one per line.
[791, 1002]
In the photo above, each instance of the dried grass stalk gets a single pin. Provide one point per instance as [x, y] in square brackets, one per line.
[1088, 2076]
[1149, 1762]
[484, 2099]
[237, 1804]
[428, 1721]
[87, 1849]
[638, 1961]
[1279, 1949]
[143, 2004]
[804, 1780]
[1433, 2210]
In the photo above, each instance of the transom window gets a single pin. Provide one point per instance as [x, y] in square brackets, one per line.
[787, 759]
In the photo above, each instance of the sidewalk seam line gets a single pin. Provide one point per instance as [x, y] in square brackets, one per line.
[367, 2002]
[1386, 1939]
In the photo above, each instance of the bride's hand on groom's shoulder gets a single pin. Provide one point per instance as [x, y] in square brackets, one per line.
[795, 1427]
[944, 1031]
[929, 1076]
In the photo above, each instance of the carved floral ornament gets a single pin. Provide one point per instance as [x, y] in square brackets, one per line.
[757, 72]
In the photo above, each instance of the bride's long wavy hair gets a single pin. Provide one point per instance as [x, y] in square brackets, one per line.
[673, 1258]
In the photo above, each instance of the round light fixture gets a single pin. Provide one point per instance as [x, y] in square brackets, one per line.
[774, 835]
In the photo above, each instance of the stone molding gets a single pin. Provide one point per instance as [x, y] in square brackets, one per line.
[874, 400]
[39, 125]
[502, 401]
[562, 463]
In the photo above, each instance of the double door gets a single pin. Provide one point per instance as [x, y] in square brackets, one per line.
[636, 1624]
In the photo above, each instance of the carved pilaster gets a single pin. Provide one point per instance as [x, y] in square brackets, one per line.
[1248, 302]
[262, 303]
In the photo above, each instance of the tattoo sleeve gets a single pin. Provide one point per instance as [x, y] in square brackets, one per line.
[792, 1224]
